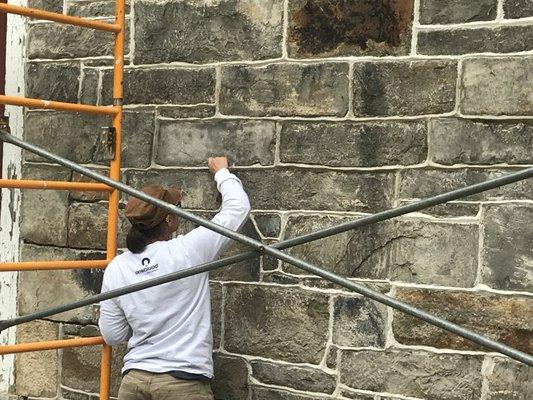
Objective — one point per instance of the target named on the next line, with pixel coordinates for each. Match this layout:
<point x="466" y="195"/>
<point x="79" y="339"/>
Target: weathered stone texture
<point x="505" y="39"/>
<point x="231" y="378"/>
<point x="461" y="141"/>
<point x="402" y="250"/>
<point x="345" y="393"/>
<point x="37" y="372"/>
<point x="507" y="252"/>
<point x="190" y="143"/>
<point x="61" y="83"/>
<point x="94" y="8"/>
<point x="404" y="87"/>
<point x="196" y="111"/>
<point x="207" y="31"/>
<point x="502" y="318"/>
<point x="456" y="11"/>
<point x="318" y="89"/>
<point x="353" y="144"/>
<point x="89" y="86"/>
<point x="359" y="322"/>
<point x="216" y="312"/>
<point x="47" y="5"/>
<point x="325" y="28"/>
<point x="451" y="209"/>
<point x="274" y="322"/>
<point x="269" y="225"/>
<point x="87" y="225"/>
<point x="509" y="380"/>
<point x="77" y="195"/>
<point x="510" y="91"/>
<point x="517" y="8"/>
<point x="413" y="373"/>
<point x="137" y="136"/>
<point x="264" y="393"/>
<point x="163" y="86"/>
<point x="293" y="376"/>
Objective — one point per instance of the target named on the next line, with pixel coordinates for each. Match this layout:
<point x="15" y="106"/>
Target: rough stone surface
<point x="417" y="183"/>
<point x="353" y="144"/>
<point x="456" y="11"/>
<point x="509" y="380"/>
<point x="197" y="111"/>
<point x="462" y="141"/>
<point x="293" y="376"/>
<point x="216" y="312"/>
<point x="163" y="86"/>
<point x="269" y="225"/>
<point x="207" y="31"/>
<point x="61" y="83"/>
<point x="47" y="5"/>
<point x="89" y="86"/>
<point x="358" y="322"/>
<point x="505" y="39"/>
<point x="451" y="209"/>
<point x="78" y="195"/>
<point x="507" y="252"/>
<point x="413" y="373"/>
<point x="503" y="318"/>
<point x="318" y="89"/>
<point x="231" y="378"/>
<point x="358" y="396"/>
<point x="87" y="226"/>
<point x="325" y="28"/>
<point x="47" y="227"/>
<point x="264" y="393"/>
<point x="94" y="8"/>
<point x="137" y="137"/>
<point x="190" y="143"/>
<point x="37" y="293"/>
<point x="37" y="372"/>
<point x="517" y="8"/>
<point x="407" y="250"/>
<point x="510" y="91"/>
<point x="404" y="87"/>
<point x="257" y="318"/>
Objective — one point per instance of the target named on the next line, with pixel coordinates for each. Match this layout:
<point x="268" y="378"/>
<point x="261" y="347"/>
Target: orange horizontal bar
<point x="51" y="345"/>
<point x="54" y="185"/>
<point x="56" y="17"/>
<point x="50" y="265"/>
<point x="57" y="105"/>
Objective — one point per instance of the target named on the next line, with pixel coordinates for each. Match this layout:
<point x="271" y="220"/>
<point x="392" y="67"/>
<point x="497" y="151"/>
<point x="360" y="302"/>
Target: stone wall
<point x="328" y="109"/>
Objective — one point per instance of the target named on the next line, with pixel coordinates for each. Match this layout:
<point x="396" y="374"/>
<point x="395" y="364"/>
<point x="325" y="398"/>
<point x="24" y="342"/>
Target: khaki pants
<point x="143" y="385"/>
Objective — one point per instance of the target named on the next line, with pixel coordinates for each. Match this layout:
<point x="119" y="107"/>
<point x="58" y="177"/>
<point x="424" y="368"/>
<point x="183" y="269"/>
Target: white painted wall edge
<point x="10" y="215"/>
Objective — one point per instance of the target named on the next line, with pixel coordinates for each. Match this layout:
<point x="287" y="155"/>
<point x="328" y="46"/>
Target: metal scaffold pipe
<point x="277" y="253"/>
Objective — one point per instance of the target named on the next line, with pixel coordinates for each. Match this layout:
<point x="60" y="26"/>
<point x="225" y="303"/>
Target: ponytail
<point x="136" y="240"/>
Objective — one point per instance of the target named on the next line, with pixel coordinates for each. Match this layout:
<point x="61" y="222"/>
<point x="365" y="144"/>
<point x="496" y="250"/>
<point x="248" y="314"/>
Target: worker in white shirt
<point x="168" y="327"/>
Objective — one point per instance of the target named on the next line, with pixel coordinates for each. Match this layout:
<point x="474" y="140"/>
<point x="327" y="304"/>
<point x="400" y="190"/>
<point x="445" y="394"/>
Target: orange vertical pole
<point x="105" y="372"/>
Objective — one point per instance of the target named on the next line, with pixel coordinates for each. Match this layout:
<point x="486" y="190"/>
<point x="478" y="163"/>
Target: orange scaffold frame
<point x="115" y="112"/>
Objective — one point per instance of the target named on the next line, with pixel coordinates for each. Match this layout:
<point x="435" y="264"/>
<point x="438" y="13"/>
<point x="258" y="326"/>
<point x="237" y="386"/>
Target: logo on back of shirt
<point x="147" y="267"/>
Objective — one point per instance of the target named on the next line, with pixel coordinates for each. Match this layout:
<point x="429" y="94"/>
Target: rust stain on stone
<point x="350" y="26"/>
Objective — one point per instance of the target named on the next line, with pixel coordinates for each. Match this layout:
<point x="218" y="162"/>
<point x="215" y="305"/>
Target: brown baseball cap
<point x="147" y="216"/>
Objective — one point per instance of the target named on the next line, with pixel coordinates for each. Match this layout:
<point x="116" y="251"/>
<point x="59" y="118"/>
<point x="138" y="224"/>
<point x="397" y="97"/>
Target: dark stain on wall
<point x="350" y="27"/>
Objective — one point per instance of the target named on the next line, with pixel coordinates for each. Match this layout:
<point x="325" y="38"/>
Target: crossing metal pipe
<point x="271" y="250"/>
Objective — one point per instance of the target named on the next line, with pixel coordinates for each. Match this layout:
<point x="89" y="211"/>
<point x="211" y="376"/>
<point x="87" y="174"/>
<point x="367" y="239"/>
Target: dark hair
<point x="137" y="238"/>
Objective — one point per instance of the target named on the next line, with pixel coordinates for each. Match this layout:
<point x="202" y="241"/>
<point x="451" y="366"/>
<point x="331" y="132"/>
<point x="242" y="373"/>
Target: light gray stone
<point x="53" y="81"/>
<point x="207" y="31"/>
<point x="137" y="137"/>
<point x="456" y="11"/>
<point x="353" y="144"/>
<point x="47" y="5"/>
<point x="94" y="8"/>
<point x="264" y="393"/>
<point x="517" y="8"/>
<point x="231" y="378"/>
<point x="511" y="86"/>
<point x="389" y="88"/>
<point x="509" y="380"/>
<point x="317" y="89"/>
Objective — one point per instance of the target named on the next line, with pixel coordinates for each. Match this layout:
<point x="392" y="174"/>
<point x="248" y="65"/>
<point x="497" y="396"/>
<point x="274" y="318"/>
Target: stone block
<point x="43" y="213"/>
<point x="293" y="376"/>
<point x="137" y="137"/>
<point x="358" y="322"/>
<point x="413" y="373"/>
<point x="404" y="87"/>
<point x="509" y="380"/>
<point x="207" y="31"/>
<point x="326" y="28"/>
<point x="462" y="141"/>
<point x="320" y="283"/>
<point x="507" y="253"/>
<point x="266" y="393"/>
<point x="190" y="143"/>
<point x="94" y="8"/>
<point x="345" y="393"/>
<point x="87" y="225"/>
<point x="281" y="323"/>
<point x="449" y="210"/>
<point x="163" y="86"/>
<point x="406" y="250"/>
<point x="60" y="286"/>
<point x="510" y="91"/>
<point x="84" y="196"/>
<point x="36" y="373"/>
<point x="47" y="5"/>
<point x="353" y="144"/>
<point x="331" y="357"/>
<point x="89" y="86"/>
<point x="53" y="41"/>
<point x="317" y="89"/>
<point x="456" y="11"/>
<point x="196" y="111"/>
<point x="420" y="183"/>
<point x="231" y="378"/>
<point x="505" y="39"/>
<point x="53" y="81"/>
<point x="216" y="312"/>
<point x="517" y="8"/>
<point x="503" y="318"/>
<point x="269" y="225"/>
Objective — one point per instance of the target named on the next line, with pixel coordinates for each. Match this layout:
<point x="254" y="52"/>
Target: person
<point x="168" y="327"/>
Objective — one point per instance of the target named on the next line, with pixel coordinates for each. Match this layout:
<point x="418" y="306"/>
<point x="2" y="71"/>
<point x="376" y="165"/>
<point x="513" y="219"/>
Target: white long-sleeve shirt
<point x="168" y="327"/>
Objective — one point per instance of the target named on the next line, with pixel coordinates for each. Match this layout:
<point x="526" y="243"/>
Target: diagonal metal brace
<point x="273" y="251"/>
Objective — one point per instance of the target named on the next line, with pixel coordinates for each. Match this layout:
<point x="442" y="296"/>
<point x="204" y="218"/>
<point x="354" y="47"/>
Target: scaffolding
<point x="114" y="137"/>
